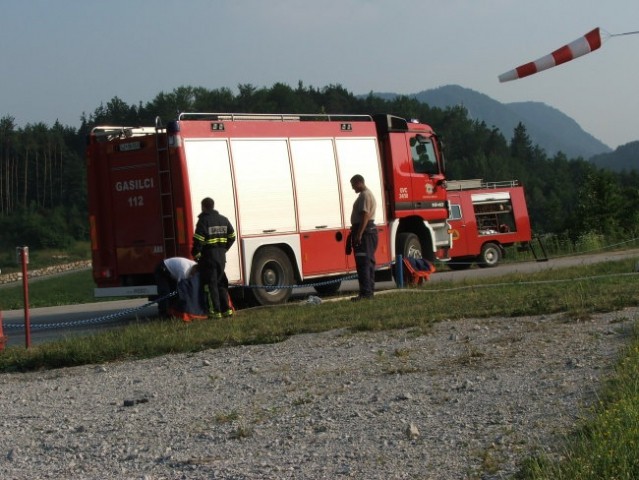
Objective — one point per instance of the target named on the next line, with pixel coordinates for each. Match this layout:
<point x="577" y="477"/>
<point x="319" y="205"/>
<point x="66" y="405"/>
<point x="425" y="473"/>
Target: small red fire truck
<point x="485" y="217"/>
<point x="282" y="180"/>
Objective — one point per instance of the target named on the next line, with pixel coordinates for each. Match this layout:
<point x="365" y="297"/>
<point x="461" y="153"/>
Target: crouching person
<point x="168" y="273"/>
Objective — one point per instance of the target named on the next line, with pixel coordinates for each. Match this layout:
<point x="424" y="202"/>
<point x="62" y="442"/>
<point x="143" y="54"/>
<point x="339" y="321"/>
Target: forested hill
<point x="624" y="158"/>
<point x="547" y="127"/>
<point x="43" y="198"/>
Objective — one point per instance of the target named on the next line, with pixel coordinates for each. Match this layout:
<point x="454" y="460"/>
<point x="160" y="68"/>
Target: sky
<point x="62" y="58"/>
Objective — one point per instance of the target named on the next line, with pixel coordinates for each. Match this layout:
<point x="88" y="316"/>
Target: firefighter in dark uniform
<point x="364" y="237"/>
<point x="213" y="236"/>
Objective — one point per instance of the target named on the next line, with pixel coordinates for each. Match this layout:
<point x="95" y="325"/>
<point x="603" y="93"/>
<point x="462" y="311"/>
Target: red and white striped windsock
<point x="589" y="42"/>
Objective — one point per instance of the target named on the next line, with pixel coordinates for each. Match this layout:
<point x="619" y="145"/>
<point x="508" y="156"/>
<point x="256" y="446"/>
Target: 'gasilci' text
<point x="130" y="185"/>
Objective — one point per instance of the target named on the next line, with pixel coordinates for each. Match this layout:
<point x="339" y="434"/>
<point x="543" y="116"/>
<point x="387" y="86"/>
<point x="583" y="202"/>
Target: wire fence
<point x="90" y="321"/>
<point x="114" y="316"/>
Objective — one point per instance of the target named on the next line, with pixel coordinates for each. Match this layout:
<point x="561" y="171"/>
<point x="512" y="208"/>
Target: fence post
<point x="3" y="339"/>
<point x="399" y="265"/>
<point x="23" y="256"/>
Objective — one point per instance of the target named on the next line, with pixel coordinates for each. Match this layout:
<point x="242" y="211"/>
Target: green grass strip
<point x="606" y="446"/>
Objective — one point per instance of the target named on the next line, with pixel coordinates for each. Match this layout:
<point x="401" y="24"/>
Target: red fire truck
<point x="282" y="180"/>
<point x="486" y="217"/>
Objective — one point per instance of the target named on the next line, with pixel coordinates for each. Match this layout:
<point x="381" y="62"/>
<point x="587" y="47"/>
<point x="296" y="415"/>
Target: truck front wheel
<point x="271" y="276"/>
<point x="408" y="245"/>
<point x="490" y="255"/>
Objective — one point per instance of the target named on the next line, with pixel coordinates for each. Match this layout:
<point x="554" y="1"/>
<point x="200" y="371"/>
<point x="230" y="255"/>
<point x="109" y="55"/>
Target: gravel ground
<point x="470" y="399"/>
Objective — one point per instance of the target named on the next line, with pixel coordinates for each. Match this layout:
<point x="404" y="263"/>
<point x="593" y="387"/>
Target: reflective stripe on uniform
<point x="216" y="241"/>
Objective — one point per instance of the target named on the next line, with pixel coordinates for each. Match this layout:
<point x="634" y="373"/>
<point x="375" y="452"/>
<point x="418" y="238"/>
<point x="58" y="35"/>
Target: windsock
<point x="589" y="42"/>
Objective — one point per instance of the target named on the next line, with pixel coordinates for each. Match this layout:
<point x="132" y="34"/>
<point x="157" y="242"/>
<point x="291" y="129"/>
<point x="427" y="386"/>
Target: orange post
<point x="3" y="339"/>
<point x="23" y="253"/>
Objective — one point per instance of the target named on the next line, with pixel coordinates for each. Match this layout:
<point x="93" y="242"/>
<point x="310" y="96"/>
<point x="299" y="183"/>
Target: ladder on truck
<point x="166" y="190"/>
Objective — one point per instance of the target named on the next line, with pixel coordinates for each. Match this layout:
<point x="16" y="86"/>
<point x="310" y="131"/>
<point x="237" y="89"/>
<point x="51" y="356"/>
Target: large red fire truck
<point x="486" y="217"/>
<point x="282" y="180"/>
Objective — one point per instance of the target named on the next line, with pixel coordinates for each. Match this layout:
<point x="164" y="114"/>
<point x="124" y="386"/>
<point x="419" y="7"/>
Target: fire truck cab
<point x="486" y="217"/>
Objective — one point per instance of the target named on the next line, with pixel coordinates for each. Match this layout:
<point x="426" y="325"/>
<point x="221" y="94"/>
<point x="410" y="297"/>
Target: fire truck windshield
<point x="423" y="156"/>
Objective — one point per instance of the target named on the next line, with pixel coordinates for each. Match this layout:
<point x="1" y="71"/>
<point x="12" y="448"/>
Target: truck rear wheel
<point x="271" y="276"/>
<point x="490" y="255"/>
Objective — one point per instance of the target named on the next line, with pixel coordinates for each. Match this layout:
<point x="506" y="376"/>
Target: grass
<point x="68" y="289"/>
<point x="575" y="292"/>
<point x="9" y="262"/>
<point x="603" y="447"/>
<point x="606" y="445"/>
<point x="72" y="288"/>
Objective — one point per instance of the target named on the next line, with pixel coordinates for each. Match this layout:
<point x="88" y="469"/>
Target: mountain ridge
<point x="624" y="158"/>
<point x="546" y="126"/>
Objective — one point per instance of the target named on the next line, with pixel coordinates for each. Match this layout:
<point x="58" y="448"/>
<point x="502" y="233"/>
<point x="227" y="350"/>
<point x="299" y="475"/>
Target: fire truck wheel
<point x="271" y="276"/>
<point x="490" y="255"/>
<point x="408" y="245"/>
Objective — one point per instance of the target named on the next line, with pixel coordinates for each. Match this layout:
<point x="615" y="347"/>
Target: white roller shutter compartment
<point x="264" y="187"/>
<point x="316" y="184"/>
<point x="360" y="156"/>
<point x="209" y="171"/>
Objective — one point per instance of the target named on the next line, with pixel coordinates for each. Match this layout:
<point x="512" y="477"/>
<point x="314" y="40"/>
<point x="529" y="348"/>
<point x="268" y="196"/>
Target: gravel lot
<point x="470" y="399"/>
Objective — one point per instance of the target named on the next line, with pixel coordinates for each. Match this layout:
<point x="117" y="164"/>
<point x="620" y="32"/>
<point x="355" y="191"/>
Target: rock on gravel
<point x="469" y="399"/>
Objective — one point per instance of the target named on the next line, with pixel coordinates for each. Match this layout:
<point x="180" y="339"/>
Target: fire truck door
<point x="136" y="205"/>
<point x="322" y="234"/>
<point x="424" y="193"/>
<point x="459" y="226"/>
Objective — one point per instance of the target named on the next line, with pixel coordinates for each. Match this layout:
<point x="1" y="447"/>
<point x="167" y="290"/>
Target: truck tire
<point x="271" y="276"/>
<point x="408" y="245"/>
<point x="490" y="255"/>
<point x="329" y="288"/>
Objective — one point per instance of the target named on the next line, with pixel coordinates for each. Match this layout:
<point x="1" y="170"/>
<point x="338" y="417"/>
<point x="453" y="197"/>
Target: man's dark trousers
<point x="212" y="274"/>
<point x="165" y="284"/>
<point x="365" y="261"/>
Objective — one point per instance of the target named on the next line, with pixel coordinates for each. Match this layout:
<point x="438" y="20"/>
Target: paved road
<point x="46" y="321"/>
<point x="531" y="267"/>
